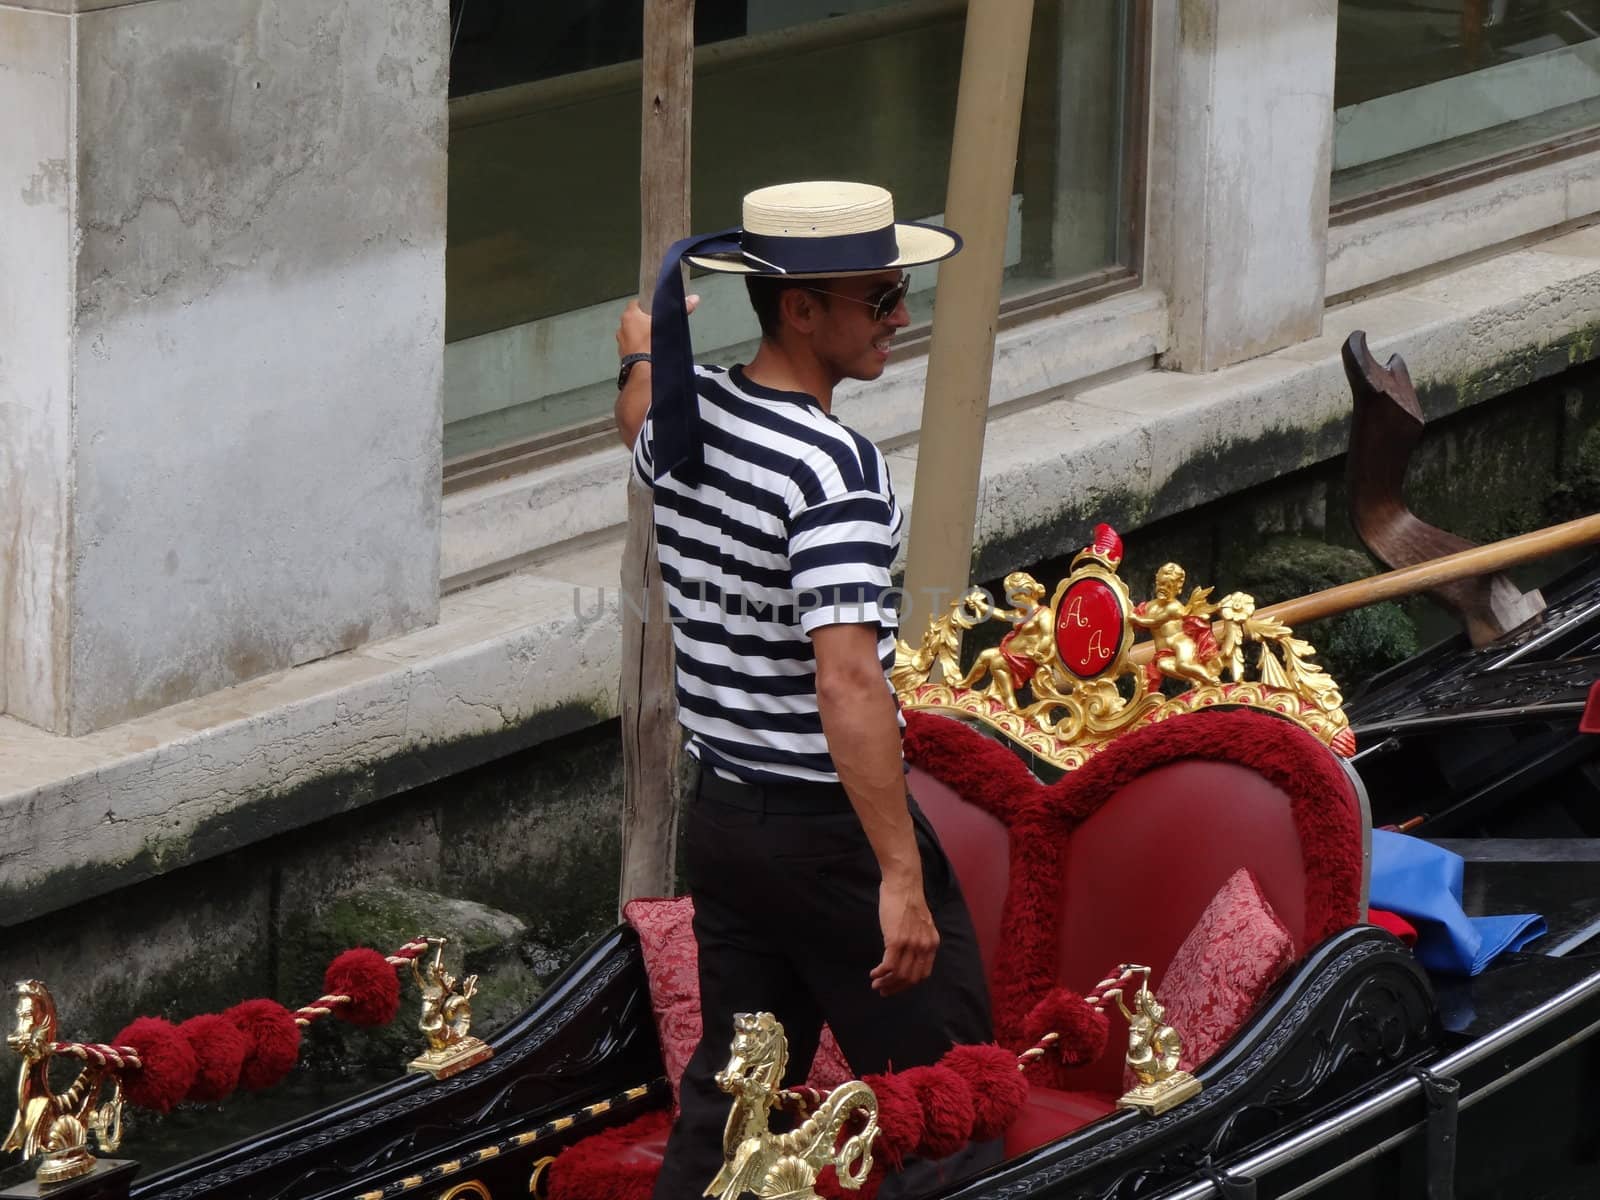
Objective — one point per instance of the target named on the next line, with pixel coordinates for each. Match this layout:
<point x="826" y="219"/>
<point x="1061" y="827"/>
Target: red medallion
<point x="1090" y="628"/>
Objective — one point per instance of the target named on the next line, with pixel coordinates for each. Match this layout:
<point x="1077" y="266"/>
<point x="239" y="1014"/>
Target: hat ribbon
<point x="674" y="407"/>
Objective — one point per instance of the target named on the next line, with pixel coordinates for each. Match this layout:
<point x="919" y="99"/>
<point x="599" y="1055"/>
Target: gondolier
<point x="821" y="892"/>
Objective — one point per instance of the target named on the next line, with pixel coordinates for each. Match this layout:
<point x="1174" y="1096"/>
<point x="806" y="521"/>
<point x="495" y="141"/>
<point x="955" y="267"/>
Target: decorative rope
<point x="415" y="948"/>
<point x="1096" y="1000"/>
<point x="323" y="1006"/>
<point x="99" y="1054"/>
<point x="802" y="1101"/>
<point x="159" y="1076"/>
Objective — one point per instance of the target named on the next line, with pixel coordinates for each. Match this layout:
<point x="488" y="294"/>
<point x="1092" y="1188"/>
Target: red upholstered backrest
<point x="1144" y="865"/>
<point x="1114" y="862"/>
<point x="977" y="846"/>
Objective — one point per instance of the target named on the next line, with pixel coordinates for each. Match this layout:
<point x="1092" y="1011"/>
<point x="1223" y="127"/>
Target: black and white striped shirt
<point x="792" y="525"/>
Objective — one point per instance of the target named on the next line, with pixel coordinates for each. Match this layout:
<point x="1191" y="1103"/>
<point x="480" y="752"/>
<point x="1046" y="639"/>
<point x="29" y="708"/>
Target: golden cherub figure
<point x="446" y="1002"/>
<point x="1029" y="646"/>
<point x="446" y="1018"/>
<point x="1185" y="648"/>
<point x="1154" y="1049"/>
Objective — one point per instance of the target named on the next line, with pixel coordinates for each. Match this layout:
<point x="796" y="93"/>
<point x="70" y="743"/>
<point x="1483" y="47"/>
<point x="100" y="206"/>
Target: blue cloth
<point x="1422" y="883"/>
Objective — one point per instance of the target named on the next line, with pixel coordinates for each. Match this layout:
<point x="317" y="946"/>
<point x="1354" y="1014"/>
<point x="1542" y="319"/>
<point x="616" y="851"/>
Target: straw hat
<point x="824" y="228"/>
<point x="793" y="230"/>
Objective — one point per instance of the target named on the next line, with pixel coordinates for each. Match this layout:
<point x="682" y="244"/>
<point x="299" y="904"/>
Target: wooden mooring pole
<point x="651" y="740"/>
<point x="955" y="407"/>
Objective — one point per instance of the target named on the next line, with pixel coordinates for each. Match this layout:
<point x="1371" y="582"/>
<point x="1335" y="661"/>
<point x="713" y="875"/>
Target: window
<point x="1426" y="90"/>
<point x="544" y="205"/>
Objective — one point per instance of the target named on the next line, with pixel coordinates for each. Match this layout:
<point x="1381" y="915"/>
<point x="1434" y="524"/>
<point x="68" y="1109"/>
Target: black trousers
<point x="785" y="887"/>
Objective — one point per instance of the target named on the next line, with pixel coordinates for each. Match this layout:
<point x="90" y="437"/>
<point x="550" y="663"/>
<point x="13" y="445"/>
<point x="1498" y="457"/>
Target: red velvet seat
<point x="1115" y="862"/>
<point x="1111" y="864"/>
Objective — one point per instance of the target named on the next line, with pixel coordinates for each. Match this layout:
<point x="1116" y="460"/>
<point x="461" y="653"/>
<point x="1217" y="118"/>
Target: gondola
<point x="1353" y="1072"/>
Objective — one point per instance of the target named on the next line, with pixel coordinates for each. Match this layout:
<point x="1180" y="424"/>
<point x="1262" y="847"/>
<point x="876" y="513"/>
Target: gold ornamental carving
<point x="785" y="1166"/>
<point x="1154" y="1051"/>
<point x="1066" y="679"/>
<point x="446" y="1018"/>
<point x="55" y="1126"/>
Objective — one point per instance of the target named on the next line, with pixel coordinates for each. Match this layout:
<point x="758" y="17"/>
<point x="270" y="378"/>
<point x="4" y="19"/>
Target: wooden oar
<point x="1408" y="581"/>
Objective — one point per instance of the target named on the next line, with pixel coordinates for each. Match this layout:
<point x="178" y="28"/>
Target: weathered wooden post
<point x="650" y="737"/>
<point x="955" y="407"/>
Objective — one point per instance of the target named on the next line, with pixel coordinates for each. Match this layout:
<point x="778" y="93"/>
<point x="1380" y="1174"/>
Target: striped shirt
<point x="791" y="526"/>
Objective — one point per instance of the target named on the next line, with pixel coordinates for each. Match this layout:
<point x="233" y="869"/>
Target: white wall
<point x="35" y="352"/>
<point x="1250" y="136"/>
<point x="254" y="341"/>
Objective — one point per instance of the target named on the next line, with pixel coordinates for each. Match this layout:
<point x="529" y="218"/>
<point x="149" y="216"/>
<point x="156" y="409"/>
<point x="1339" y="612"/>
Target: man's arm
<point x="858" y="719"/>
<point x="633" y="401"/>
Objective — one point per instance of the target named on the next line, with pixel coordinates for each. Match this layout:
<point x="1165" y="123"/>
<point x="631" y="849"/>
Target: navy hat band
<point x="809" y="255"/>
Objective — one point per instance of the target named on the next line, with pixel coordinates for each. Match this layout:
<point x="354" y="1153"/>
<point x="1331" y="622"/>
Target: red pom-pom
<point x="899" y="1118"/>
<point x="219" y="1050"/>
<point x="167" y="1067"/>
<point x="946" y="1109"/>
<point x="371" y="984"/>
<point x="1083" y="1028"/>
<point x="998" y="1089"/>
<point x="274" y="1041"/>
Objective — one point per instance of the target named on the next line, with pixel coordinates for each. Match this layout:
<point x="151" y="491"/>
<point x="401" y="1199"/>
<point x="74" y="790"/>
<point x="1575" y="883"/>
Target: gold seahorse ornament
<point x="774" y="1166"/>
<point x="57" y="1125"/>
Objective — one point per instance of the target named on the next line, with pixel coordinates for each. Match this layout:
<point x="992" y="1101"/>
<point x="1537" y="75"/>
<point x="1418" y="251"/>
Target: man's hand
<point x="633" y="337"/>
<point x="633" y="331"/>
<point x="910" y="939"/>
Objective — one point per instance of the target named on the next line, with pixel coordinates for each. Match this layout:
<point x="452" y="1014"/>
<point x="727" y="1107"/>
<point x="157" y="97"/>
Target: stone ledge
<point x="1391" y="243"/>
<point x="535" y="655"/>
<point x="508" y="665"/>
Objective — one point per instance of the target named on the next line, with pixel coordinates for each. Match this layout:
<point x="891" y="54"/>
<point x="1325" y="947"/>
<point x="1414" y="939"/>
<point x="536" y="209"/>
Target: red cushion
<point x="1050" y="1114"/>
<point x="1221" y="973"/>
<point x="1394" y="923"/>
<point x="615" y="1164"/>
<point x="672" y="966"/>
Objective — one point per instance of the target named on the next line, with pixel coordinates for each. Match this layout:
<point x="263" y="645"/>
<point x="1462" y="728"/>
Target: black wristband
<point x="629" y="361"/>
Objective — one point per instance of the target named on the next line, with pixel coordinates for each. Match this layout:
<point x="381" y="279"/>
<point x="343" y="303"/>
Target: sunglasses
<point x="882" y="305"/>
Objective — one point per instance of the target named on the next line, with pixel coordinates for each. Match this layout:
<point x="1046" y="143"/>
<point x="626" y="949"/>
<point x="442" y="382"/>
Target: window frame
<point x="1468" y="175"/>
<point x="583" y="437"/>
